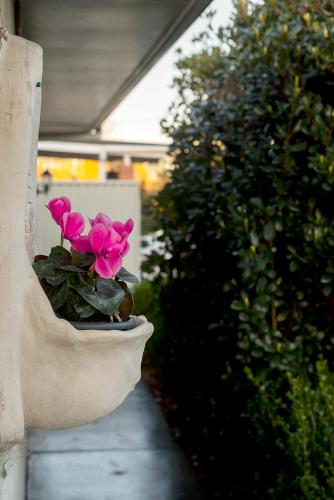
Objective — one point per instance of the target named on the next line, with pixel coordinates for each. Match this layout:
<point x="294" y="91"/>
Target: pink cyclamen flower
<point x="72" y="224"/>
<point x="101" y="219"/>
<point x="103" y="241"/>
<point x="123" y="230"/>
<point x="119" y="227"/>
<point x="108" y="246"/>
<point x="58" y="207"/>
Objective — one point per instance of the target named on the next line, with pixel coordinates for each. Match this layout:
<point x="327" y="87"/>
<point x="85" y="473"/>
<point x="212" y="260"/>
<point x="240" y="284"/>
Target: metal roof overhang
<point x="96" y="51"/>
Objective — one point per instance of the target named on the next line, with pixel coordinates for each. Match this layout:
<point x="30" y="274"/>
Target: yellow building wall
<point x="152" y="176"/>
<point x="68" y="169"/>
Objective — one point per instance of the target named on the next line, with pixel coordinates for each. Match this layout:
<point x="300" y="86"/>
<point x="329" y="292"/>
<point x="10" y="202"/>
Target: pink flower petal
<point x="118" y="227"/>
<point x="115" y="251"/>
<point x="104" y="267"/>
<point x="59" y="206"/>
<point x="129" y="226"/>
<point x="113" y="238"/>
<point x="103" y="219"/>
<point x="81" y="244"/>
<point x="123" y="228"/>
<point x="63" y="221"/>
<point x="98" y="237"/>
<point x="72" y="225"/>
<point x="115" y="258"/>
<point x="126" y="248"/>
<point x="116" y="265"/>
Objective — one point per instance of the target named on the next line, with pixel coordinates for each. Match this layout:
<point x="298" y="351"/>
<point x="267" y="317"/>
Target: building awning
<point x="96" y="51"/>
<point x="98" y="148"/>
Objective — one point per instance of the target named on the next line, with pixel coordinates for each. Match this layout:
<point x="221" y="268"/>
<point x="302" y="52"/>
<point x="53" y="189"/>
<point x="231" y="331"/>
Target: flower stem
<point x="74" y="258"/>
<point x="62" y="240"/>
<point x="82" y="280"/>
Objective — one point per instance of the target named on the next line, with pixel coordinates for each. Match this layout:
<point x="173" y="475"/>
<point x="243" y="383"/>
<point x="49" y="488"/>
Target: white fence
<point x="119" y="199"/>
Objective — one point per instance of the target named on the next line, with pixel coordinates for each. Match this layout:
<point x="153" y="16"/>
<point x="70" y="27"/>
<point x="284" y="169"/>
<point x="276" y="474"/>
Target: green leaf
<point x="124" y="275"/>
<point x="243" y="316"/>
<point x="57" y="295"/>
<point x="56" y="277"/>
<point x="106" y="298"/>
<point x="269" y="231"/>
<point x="70" y="268"/>
<point x="126" y="307"/>
<point x="261" y="284"/>
<point x="237" y="305"/>
<point x="83" y="309"/>
<point x="38" y="258"/>
<point x="59" y="256"/>
<point x="297" y="148"/>
<point x="282" y="316"/>
<point x="84" y="259"/>
<point x="47" y="267"/>
<point x="43" y="268"/>
<point x="257" y="202"/>
<point x="293" y="266"/>
<point x="254" y="238"/>
<point x="326" y="279"/>
<point x="111" y="287"/>
<point x="73" y="280"/>
<point x="67" y="311"/>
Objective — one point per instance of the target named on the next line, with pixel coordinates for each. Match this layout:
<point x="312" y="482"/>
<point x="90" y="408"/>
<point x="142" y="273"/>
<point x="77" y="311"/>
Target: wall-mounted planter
<point x="72" y="377"/>
<point x="52" y="376"/>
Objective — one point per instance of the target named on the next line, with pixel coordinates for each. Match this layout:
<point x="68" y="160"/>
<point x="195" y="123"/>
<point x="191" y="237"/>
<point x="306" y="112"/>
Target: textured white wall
<point x="7" y="13"/>
<point x="13" y="461"/>
<point x="119" y="199"/>
<point x="12" y="473"/>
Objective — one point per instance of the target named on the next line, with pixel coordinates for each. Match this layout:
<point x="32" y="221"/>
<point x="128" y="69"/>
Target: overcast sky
<point x="138" y="117"/>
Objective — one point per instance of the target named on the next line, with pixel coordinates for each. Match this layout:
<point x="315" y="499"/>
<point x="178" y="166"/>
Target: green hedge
<point x="311" y="432"/>
<point x="248" y="295"/>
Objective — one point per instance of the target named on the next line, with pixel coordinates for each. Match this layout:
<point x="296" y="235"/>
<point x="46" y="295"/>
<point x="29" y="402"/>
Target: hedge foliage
<point x="311" y="432"/>
<point x="248" y="295"/>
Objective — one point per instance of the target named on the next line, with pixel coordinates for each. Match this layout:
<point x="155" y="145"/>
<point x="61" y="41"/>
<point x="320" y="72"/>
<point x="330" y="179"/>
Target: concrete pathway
<point x="129" y="455"/>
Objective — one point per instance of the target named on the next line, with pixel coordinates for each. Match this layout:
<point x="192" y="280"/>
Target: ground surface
<point x="128" y="455"/>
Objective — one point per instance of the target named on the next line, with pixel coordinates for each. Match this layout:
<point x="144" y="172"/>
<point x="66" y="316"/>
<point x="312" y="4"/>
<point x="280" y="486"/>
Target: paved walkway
<point x="129" y="455"/>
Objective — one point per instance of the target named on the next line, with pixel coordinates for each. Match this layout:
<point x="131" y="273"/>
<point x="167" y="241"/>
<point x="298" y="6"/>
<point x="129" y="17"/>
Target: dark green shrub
<point x="147" y="303"/>
<point x="148" y="222"/>
<point x="311" y="433"/>
<point x="248" y="220"/>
